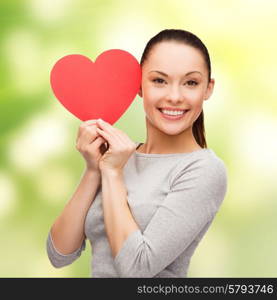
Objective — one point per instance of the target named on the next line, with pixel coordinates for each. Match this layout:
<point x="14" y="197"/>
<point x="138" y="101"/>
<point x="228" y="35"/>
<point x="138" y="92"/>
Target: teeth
<point x="172" y="112"/>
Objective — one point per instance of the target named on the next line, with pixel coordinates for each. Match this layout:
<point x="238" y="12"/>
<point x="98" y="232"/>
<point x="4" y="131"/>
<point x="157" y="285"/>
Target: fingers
<point x="108" y="132"/>
<point x="100" y="144"/>
<point x="87" y="133"/>
<point x="84" y="125"/>
<point x="90" y="130"/>
<point x="107" y="136"/>
<point x="115" y="132"/>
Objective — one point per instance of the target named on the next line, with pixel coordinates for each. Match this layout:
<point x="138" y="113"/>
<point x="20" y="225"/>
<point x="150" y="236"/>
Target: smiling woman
<point x="176" y="76"/>
<point x="145" y="206"/>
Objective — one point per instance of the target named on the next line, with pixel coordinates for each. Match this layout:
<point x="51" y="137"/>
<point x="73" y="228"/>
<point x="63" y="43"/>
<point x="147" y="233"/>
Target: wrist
<point x="92" y="172"/>
<point x="111" y="172"/>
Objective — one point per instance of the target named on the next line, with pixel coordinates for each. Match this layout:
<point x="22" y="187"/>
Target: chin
<point x="172" y="131"/>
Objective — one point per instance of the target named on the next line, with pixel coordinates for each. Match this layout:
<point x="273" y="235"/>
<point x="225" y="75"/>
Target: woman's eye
<point x="158" y="80"/>
<point x="192" y="81"/>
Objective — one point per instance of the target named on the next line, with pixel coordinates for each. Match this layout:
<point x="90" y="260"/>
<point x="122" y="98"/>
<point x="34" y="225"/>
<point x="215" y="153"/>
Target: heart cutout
<point x="104" y="89"/>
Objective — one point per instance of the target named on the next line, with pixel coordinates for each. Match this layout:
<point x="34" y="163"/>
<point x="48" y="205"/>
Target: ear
<point x="210" y="89"/>
<point x="140" y="92"/>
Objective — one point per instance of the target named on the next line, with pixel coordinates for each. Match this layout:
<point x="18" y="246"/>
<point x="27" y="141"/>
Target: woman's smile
<point x="173" y="115"/>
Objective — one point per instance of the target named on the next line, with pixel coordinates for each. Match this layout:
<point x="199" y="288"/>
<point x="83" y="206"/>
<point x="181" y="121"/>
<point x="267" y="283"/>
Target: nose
<point x="174" y="94"/>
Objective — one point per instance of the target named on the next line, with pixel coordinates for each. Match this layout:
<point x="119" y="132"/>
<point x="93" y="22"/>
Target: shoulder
<point x="204" y="163"/>
<point x="204" y="171"/>
<point x="211" y="166"/>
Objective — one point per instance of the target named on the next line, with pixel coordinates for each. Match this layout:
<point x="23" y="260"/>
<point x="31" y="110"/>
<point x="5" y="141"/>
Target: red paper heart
<point x="104" y="89"/>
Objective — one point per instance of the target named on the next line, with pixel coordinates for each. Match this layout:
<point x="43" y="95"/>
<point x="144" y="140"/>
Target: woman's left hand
<point x="120" y="147"/>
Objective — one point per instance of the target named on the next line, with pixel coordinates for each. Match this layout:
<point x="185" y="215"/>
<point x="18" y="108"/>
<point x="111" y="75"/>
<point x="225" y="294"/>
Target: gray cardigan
<point x="173" y="199"/>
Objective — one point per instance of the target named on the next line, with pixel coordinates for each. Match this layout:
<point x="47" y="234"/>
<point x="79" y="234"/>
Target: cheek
<point x="152" y="91"/>
<point x="152" y="97"/>
<point x="148" y="104"/>
<point x="197" y="108"/>
<point x="195" y="98"/>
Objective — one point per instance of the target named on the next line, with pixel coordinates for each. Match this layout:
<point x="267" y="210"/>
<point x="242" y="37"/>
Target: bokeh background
<point x="40" y="167"/>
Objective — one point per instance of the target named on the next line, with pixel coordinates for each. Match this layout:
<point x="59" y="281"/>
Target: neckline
<point x="150" y="155"/>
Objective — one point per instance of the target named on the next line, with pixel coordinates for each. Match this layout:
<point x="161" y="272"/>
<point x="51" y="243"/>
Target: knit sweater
<point x="173" y="198"/>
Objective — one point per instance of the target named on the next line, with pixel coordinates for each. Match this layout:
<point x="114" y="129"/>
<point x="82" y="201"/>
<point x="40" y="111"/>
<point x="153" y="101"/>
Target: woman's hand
<point x="120" y="147"/>
<point x="90" y="144"/>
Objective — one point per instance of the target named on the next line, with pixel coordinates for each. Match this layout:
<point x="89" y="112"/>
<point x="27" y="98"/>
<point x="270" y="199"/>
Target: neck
<point x="158" y="142"/>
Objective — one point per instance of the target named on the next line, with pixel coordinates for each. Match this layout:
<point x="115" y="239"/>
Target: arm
<point x="187" y="211"/>
<point x="119" y="222"/>
<point x="67" y="238"/>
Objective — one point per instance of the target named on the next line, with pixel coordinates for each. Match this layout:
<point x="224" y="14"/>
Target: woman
<point x="145" y="206"/>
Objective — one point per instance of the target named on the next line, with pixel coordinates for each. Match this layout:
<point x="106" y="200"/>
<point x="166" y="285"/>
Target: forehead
<point x="174" y="57"/>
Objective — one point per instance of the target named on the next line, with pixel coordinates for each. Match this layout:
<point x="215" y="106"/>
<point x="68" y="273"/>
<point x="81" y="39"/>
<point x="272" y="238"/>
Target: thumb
<point x="98" y="141"/>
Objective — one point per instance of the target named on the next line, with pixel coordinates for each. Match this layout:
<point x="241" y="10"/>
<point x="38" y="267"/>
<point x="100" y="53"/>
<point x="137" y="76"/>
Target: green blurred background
<point x="40" y="167"/>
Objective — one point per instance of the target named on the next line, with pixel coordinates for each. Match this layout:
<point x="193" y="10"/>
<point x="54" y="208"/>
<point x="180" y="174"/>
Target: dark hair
<point x="188" y="38"/>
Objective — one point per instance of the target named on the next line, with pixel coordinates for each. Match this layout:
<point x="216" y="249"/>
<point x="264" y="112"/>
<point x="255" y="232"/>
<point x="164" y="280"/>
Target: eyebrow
<point x="164" y="74"/>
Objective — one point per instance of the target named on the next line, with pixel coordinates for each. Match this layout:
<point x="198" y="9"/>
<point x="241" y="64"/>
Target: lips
<point x="183" y="110"/>
<point x="172" y="109"/>
<point x="172" y="117"/>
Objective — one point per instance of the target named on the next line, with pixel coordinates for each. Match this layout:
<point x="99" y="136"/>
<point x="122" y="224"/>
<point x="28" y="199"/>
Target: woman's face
<point x="174" y="76"/>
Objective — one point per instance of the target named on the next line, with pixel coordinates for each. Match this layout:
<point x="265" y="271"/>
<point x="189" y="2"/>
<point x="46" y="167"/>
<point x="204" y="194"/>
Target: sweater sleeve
<point x="58" y="259"/>
<point x="190" y="206"/>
